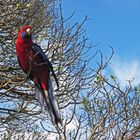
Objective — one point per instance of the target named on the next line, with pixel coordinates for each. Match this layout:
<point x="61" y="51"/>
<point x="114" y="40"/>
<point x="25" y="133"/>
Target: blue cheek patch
<point x="23" y="34"/>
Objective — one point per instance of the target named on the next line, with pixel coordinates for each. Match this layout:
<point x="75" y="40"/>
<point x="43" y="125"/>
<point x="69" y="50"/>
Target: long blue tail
<point x="48" y="102"/>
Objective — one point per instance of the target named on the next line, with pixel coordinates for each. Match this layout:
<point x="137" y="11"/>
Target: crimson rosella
<point x="35" y="63"/>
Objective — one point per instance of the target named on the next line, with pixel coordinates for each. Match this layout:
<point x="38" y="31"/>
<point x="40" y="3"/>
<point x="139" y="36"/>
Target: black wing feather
<point x="40" y="52"/>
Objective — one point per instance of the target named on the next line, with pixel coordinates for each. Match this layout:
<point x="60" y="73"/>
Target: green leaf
<point x="87" y="105"/>
<point x="113" y="77"/>
<point x="99" y="78"/>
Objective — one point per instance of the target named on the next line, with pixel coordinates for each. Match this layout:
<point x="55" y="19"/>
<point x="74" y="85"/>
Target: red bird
<point x="35" y="63"/>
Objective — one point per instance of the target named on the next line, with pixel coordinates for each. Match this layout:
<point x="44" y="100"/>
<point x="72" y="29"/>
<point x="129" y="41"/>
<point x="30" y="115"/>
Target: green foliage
<point x="113" y="77"/>
<point x="23" y="5"/>
<point x="136" y="89"/>
<point x="87" y="106"/>
<point x="99" y="78"/>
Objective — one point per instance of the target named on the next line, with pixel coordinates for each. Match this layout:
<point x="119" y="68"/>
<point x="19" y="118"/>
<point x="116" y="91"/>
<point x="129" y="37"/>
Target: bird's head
<point x="25" y="33"/>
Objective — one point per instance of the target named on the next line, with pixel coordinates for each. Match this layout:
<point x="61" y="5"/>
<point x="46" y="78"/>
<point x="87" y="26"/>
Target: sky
<point x="115" y="23"/>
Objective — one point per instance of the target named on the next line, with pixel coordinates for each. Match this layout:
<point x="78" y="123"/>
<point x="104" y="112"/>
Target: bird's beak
<point x="28" y="31"/>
